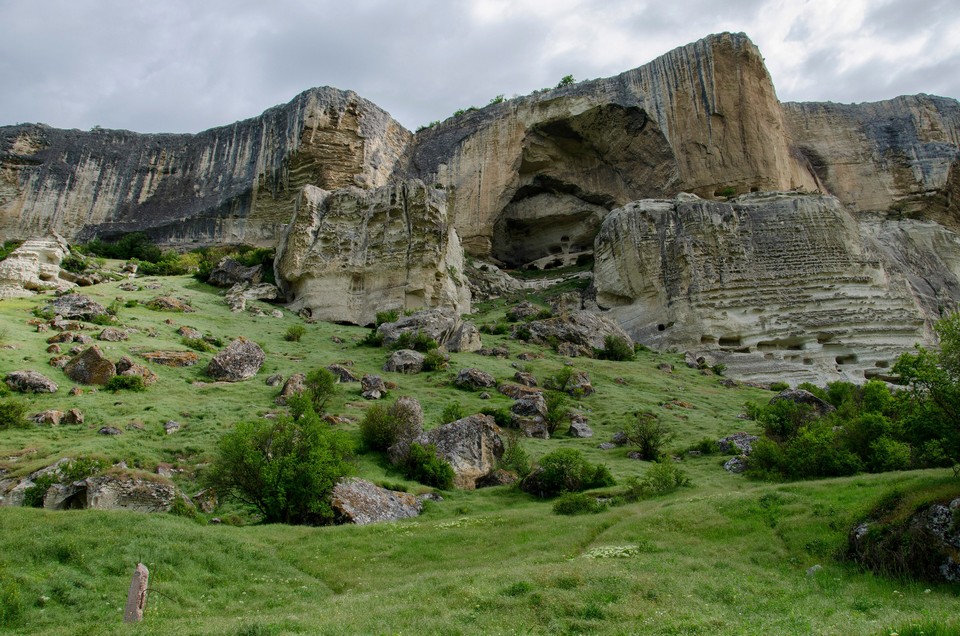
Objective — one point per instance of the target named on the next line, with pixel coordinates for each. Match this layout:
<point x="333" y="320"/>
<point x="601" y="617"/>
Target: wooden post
<point x="137" y="596"/>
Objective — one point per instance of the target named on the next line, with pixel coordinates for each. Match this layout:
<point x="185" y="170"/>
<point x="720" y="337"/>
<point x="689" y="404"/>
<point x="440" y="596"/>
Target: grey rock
<point x="442" y="325"/>
<point x="524" y="378"/>
<point x="408" y="414"/>
<point x="740" y="443"/>
<point x="228" y="272"/>
<point x="361" y="502"/>
<point x="111" y="492"/>
<point x="474" y="379"/>
<point x="735" y="464"/>
<point x="472" y="445"/>
<point x="110" y="430"/>
<point x="799" y="396"/>
<point x="240" y="360"/>
<point x="405" y="361"/>
<point x="170" y="427"/>
<point x="372" y="387"/>
<point x="606" y="445"/>
<point x="112" y="334"/>
<point x="296" y="384"/>
<point x="77" y="307"/>
<point x="30" y="382"/>
<point x="585" y="330"/>
<point x="343" y="373"/>
<point x="579" y="427"/>
<point x="90" y="367"/>
<point x="274" y="380"/>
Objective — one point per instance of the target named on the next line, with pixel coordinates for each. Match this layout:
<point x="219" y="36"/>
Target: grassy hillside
<point x="724" y="556"/>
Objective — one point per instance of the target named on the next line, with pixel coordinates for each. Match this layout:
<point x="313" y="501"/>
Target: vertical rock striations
<point x="351" y="253"/>
<point x="234" y="184"/>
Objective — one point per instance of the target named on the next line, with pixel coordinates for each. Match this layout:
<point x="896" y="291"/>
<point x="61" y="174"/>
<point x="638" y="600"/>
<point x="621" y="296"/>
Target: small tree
<point x="566" y="80"/>
<point x="285" y="468"/>
<point x="321" y="385"/>
<point x="649" y="435"/>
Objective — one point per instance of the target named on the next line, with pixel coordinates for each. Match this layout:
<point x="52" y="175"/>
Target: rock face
<point x="361" y="502"/>
<point x="33" y="266"/>
<point x="109" y="492"/>
<point x="351" y="253"/>
<point x="471" y="445"/>
<point x="769" y="284"/>
<point x="229" y="185"/>
<point x="241" y="360"/>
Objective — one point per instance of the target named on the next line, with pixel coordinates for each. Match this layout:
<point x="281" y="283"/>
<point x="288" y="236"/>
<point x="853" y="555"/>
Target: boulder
<point x="586" y="330"/>
<point x="140" y="494"/>
<point x="579" y="385"/>
<point x="126" y="366"/>
<point x="494" y="352"/>
<point x="350" y="253"/>
<point x="372" y="387"/>
<point x="228" y="272"/>
<point x="405" y="361"/>
<point x="112" y="334"/>
<point x="173" y="358"/>
<point x="168" y="303"/>
<point x="74" y="416"/>
<point x="579" y="427"/>
<point x="240" y="360"/>
<point x="738" y="443"/>
<point x="799" y="396"/>
<point x="471" y="445"/>
<point x="30" y="382"/>
<point x="343" y="373"/>
<point x="109" y="430"/>
<point x="442" y="325"/>
<point x="238" y="295"/>
<point x="473" y="379"/>
<point x="523" y="311"/>
<point x="296" y="384"/>
<point x="77" y="307"/>
<point x="189" y="332"/>
<point x="524" y="378"/>
<point x="496" y="477"/>
<point x="361" y="502"/>
<point x="170" y="427"/>
<point x="90" y="367"/>
<point x="529" y="415"/>
<point x="736" y="464"/>
<point x="274" y="380"/>
<point x="50" y="417"/>
<point x="517" y="391"/>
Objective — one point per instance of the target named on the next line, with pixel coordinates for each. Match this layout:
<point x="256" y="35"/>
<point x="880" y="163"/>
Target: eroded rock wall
<point x="350" y="253"/>
<point x="776" y="284"/>
<point x="535" y="176"/>
<point x="233" y="184"/>
<point x="901" y="154"/>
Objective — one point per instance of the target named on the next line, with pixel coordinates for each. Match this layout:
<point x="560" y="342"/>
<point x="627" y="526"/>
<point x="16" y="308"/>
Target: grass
<point x="724" y="556"/>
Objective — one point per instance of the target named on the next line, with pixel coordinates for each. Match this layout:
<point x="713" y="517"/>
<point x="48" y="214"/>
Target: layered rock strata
<point x="351" y="253"/>
<point x="769" y="284"/>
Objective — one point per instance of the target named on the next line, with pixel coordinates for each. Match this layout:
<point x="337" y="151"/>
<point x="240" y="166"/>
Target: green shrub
<point x="515" y="457"/>
<point x="557" y="410"/>
<point x="391" y="315"/>
<point x="284" y="468"/>
<point x="81" y="468"/>
<point x="373" y="339"/>
<point x="33" y="496"/>
<point x="577" y="503"/>
<point x="522" y="332"/>
<point x="13" y="414"/>
<point x="662" y="478"/>
<point x="198" y="344"/>
<point x="434" y="360"/>
<point x="779" y="386"/>
<point x="423" y="465"/>
<point x="888" y="454"/>
<point x="321" y="385"/>
<point x="615" y="348"/>
<point x="378" y="428"/>
<point x="294" y="333"/>
<point x="74" y="263"/>
<point x="649" y="435"/>
<point x="8" y="247"/>
<point x="452" y="412"/>
<point x="126" y="383"/>
<point x="417" y="341"/>
<point x="782" y="419"/>
<point x="566" y="80"/>
<point x="706" y="446"/>
<point x="559" y="380"/>
<point x="502" y="416"/>
<point x="566" y="470"/>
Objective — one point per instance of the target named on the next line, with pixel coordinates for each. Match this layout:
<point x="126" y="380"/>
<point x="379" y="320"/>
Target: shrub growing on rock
<point x="285" y="468"/>
<point x="423" y="465"/>
<point x="615" y="348"/>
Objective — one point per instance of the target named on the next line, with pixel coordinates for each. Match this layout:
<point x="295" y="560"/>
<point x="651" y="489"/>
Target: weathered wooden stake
<point x="137" y="596"/>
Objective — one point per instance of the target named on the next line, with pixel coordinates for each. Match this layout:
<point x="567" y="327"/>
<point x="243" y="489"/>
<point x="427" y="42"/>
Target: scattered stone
<point x="740" y="443"/>
<point x="571" y="350"/>
<point x="735" y="465"/>
<point x="189" y="332"/>
<point x="372" y="387"/>
<point x="30" y="382"/>
<point x="58" y="362"/>
<point x="474" y="379"/>
<point x="524" y="378"/>
<point x="472" y="445"/>
<point x="228" y="272"/>
<point x="636" y="455"/>
<point x="240" y="360"/>
<point x="74" y="351"/>
<point x="238" y="295"/>
<point x="579" y="427"/>
<point x="173" y="358"/>
<point x="405" y="361"/>
<point x="606" y="445"/>
<point x="77" y="307"/>
<point x="54" y="348"/>
<point x="206" y="500"/>
<point x="165" y="470"/>
<point x="75" y="391"/>
<point x="495" y="352"/>
<point x="112" y="334"/>
<point x="666" y="367"/>
<point x="170" y="427"/>
<point x="620" y="438"/>
<point x="361" y="502"/>
<point x="336" y="339"/>
<point x="296" y="384"/>
<point x="168" y="303"/>
<point x="109" y="430"/>
<point x="135" y="426"/>
<point x="814" y="569"/>
<point x="129" y="287"/>
<point x="90" y="367"/>
<point x="579" y="385"/>
<point x="517" y="391"/>
<point x="74" y="416"/>
<point x="343" y="373"/>
<point x="61" y="338"/>
<point x="274" y="380"/>
<point x="485" y="396"/>
<point x="50" y="417"/>
<point x="526" y="356"/>
<point x="127" y="367"/>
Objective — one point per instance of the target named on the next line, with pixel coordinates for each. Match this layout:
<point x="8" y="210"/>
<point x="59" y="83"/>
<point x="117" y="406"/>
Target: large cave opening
<point x="573" y="171"/>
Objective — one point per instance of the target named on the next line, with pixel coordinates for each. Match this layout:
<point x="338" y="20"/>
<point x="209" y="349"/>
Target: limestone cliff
<point x="772" y="284"/>
<point x="901" y="154"/>
<point x="350" y="253"/>
<point x="536" y="175"/>
<point x="234" y="184"/>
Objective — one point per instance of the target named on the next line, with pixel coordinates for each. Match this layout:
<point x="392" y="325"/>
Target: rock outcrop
<point x="442" y="325"/>
<point x="240" y="360"/>
<point x="471" y="445"/>
<point x="769" y="284"/>
<point x="350" y="253"/>
<point x="33" y="266"/>
<point x="233" y="184"/>
<point x="361" y="502"/>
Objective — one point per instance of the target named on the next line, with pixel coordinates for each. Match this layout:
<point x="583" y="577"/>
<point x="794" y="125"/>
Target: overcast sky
<point x="184" y="65"/>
